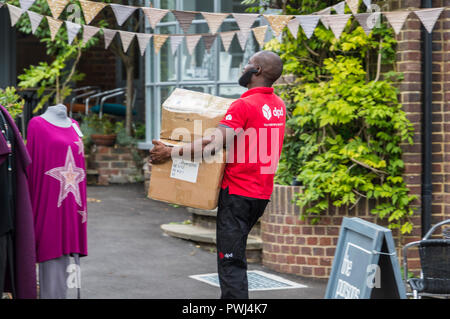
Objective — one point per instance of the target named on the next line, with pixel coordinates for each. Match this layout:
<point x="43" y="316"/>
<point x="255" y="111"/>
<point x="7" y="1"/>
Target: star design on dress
<point x="80" y="145"/>
<point x="69" y="177"/>
<point x="83" y="213"/>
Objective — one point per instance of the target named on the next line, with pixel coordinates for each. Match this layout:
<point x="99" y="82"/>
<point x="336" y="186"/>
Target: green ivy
<point x="345" y="124"/>
<point x="11" y="101"/>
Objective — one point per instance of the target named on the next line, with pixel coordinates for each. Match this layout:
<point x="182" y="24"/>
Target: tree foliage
<point x="345" y="123"/>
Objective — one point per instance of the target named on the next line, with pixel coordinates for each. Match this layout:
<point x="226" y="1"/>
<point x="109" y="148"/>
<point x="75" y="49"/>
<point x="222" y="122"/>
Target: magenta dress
<point x="57" y="181"/>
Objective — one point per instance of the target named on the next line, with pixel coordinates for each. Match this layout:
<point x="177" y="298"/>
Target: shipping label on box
<point x="184" y="170"/>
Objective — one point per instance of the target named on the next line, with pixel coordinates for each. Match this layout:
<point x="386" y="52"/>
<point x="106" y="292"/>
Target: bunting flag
<point x="72" y="31"/>
<point x="14" y="14"/>
<point x="214" y="20"/>
<point x="277" y="22"/>
<point x="428" y="17"/>
<point x="122" y="12"/>
<point x="368" y="20"/>
<point x="185" y="19"/>
<point x="323" y="13"/>
<point x="242" y="38"/>
<point x="337" y="23"/>
<point x="143" y="41"/>
<point x="192" y="41"/>
<point x="293" y="26"/>
<point x="57" y="7"/>
<point x="89" y="32"/>
<point x="245" y="21"/>
<point x="309" y="24"/>
<point x="353" y="5"/>
<point x="154" y="15"/>
<point x="91" y="9"/>
<point x="260" y="35"/>
<point x="54" y="25"/>
<point x="368" y="3"/>
<point x="227" y="38"/>
<point x="109" y="36"/>
<point x="208" y="39"/>
<point x="26" y="4"/>
<point x="397" y="19"/>
<point x="340" y="7"/>
<point x="158" y="41"/>
<point x="35" y="20"/>
<point x="175" y="42"/>
<point x="126" y="38"/>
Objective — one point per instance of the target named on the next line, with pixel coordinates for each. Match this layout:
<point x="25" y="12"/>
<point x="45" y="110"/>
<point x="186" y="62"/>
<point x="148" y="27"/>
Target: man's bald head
<point x="271" y="65"/>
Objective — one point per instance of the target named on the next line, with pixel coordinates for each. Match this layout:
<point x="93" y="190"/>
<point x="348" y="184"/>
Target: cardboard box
<point x="187" y="115"/>
<point x="189" y="184"/>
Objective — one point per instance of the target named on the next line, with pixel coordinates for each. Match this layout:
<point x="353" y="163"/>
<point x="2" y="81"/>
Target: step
<point x="203" y="235"/>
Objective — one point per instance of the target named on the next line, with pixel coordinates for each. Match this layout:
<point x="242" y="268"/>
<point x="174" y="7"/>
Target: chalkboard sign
<point x="365" y="264"/>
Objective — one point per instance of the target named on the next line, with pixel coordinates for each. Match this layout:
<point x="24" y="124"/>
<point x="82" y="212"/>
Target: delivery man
<point x="252" y="132"/>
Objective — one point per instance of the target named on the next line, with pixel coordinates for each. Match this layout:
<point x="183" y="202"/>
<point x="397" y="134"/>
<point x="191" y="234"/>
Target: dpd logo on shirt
<point x="267" y="112"/>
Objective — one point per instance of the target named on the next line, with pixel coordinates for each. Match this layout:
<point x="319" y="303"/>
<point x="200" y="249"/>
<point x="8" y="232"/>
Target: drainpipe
<point x="427" y="186"/>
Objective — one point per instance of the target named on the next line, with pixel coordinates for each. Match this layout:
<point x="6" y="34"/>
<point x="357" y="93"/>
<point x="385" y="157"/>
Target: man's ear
<point x="259" y="70"/>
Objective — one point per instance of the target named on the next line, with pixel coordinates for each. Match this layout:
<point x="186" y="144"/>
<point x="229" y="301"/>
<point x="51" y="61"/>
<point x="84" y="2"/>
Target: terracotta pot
<point x="104" y="140"/>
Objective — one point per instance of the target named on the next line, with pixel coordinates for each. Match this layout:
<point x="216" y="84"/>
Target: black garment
<point x="6" y="262"/>
<point x="236" y="215"/>
<point x="7" y="181"/>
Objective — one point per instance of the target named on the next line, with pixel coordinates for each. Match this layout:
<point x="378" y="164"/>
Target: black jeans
<point x="236" y="215"/>
<point x="7" y="263"/>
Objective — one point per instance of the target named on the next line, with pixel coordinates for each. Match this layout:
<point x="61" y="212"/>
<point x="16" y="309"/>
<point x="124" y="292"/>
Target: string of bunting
<point x="308" y="23"/>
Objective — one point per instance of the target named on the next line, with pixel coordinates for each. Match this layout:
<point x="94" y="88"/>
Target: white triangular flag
<point x="154" y="15"/>
<point x="14" y="14"/>
<point x="122" y="12"/>
<point x="340" y="7"/>
<point x="192" y="41"/>
<point x="127" y="38"/>
<point x="26" y="4"/>
<point x="143" y="40"/>
<point x="368" y="20"/>
<point x="397" y="19"/>
<point x="337" y="23"/>
<point x="309" y="24"/>
<point x="368" y="3"/>
<point x="293" y="26"/>
<point x="214" y="20"/>
<point x="323" y="13"/>
<point x="109" y="36"/>
<point x="35" y="20"/>
<point x="242" y="37"/>
<point x="227" y="38"/>
<point x="175" y="41"/>
<point x="429" y="17"/>
<point x="89" y="32"/>
<point x="72" y="31"/>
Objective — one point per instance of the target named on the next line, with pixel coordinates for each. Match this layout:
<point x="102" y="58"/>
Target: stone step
<point x="207" y="238"/>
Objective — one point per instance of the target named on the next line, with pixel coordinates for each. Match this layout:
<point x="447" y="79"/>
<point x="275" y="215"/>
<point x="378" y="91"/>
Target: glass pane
<point x="165" y="91"/>
<point x="198" y="5"/>
<point x="202" y="89"/>
<point x="232" y="6"/>
<point x="231" y="92"/>
<point x="199" y="66"/>
<point x="168" y="62"/>
<point x="168" y="4"/>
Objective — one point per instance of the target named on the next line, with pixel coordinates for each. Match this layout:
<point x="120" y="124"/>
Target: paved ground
<point x="130" y="256"/>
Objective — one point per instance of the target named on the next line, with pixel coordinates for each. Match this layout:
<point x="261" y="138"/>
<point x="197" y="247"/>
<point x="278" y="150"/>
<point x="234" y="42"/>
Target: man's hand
<point x="160" y="153"/>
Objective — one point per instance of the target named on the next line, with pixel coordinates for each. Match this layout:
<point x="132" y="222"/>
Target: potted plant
<point x="103" y="130"/>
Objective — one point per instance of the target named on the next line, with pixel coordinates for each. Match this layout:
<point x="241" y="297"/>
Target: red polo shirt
<point x="259" y="117"/>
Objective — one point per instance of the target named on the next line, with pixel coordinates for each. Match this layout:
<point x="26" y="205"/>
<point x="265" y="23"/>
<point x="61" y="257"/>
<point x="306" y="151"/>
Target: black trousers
<point x="7" y="263"/>
<point x="236" y="215"/>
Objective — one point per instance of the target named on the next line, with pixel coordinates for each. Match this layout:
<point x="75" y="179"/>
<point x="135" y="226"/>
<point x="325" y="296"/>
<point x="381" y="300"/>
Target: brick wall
<point x="99" y="65"/>
<point x="115" y="165"/>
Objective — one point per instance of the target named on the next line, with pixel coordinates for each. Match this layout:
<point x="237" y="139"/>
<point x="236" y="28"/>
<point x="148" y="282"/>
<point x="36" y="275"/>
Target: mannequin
<point x="17" y="241"/>
<point x="58" y="191"/>
<point x="57" y="115"/>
